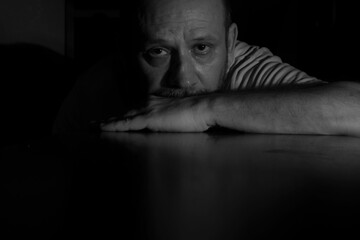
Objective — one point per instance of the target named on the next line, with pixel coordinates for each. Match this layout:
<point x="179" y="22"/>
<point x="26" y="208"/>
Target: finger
<point x="156" y="99"/>
<point x="112" y="119"/>
<point x="128" y="124"/>
<point x="131" y="113"/>
<point x="108" y="127"/>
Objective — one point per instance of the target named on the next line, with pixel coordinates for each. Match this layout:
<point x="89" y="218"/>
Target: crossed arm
<point x="331" y="109"/>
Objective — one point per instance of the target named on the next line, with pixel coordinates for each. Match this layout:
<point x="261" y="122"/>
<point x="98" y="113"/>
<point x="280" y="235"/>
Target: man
<point x="198" y="75"/>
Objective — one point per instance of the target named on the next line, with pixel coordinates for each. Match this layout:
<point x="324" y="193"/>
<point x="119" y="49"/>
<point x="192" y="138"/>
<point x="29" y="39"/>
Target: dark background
<point x="39" y="67"/>
<point x="318" y="37"/>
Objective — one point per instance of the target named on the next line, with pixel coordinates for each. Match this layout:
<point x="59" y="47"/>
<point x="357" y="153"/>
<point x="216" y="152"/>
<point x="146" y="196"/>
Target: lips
<point x="181" y="92"/>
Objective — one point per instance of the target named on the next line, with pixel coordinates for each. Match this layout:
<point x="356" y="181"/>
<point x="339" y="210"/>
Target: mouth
<point x="178" y="93"/>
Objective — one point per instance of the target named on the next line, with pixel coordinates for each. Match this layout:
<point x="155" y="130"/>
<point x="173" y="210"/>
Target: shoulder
<point x="246" y="53"/>
<point x="257" y="67"/>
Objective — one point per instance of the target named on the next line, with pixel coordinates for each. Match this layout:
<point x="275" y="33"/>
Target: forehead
<point x="176" y="15"/>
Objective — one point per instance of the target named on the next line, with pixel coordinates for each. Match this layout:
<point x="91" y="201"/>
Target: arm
<point x="331" y="109"/>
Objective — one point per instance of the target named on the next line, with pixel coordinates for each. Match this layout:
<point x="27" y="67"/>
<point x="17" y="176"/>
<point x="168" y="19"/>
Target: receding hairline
<point x="141" y="5"/>
<point x="130" y="22"/>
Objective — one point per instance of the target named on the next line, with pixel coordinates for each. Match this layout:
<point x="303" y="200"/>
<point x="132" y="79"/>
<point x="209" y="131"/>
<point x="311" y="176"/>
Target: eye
<point x="201" y="49"/>
<point x="157" y="52"/>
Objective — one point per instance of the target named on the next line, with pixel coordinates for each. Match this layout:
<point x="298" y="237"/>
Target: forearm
<point x="333" y="109"/>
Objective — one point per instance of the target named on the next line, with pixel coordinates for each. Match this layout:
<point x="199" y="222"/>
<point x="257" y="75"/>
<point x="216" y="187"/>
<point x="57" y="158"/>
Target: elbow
<point x="350" y="86"/>
<point x="347" y="109"/>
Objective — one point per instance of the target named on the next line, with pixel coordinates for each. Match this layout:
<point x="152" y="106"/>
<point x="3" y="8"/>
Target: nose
<point x="181" y="73"/>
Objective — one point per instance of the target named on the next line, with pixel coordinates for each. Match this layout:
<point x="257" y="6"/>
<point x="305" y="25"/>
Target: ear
<point x="231" y="43"/>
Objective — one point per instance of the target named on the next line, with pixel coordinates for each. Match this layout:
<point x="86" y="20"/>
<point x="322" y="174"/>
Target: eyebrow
<point x="205" y="38"/>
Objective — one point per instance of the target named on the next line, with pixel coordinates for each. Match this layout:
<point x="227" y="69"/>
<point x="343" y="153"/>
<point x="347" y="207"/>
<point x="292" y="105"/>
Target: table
<point x="215" y="185"/>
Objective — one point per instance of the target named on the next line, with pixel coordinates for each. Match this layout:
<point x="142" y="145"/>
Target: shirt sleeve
<point x="258" y="68"/>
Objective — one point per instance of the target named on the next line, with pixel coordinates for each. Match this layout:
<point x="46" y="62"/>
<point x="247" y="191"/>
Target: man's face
<point x="184" y="47"/>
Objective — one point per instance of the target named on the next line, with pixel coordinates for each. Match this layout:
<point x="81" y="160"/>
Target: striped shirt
<point x="256" y="68"/>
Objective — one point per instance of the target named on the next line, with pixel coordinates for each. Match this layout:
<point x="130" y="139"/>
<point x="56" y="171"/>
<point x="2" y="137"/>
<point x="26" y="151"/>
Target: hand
<point x="190" y="114"/>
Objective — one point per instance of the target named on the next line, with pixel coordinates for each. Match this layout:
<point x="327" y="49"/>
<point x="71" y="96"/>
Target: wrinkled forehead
<point x="156" y="14"/>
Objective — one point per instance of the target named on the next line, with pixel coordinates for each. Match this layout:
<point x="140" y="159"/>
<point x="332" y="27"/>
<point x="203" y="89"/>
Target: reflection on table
<point x="227" y="186"/>
<point x="216" y="185"/>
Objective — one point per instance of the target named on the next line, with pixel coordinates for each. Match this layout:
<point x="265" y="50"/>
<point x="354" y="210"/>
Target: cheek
<point x="153" y="75"/>
<point x="211" y="74"/>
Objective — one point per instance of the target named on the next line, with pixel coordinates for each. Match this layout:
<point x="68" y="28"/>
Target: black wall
<point x="317" y="36"/>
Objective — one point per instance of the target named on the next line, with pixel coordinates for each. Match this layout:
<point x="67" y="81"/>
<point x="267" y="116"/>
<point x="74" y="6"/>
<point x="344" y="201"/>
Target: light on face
<point x="184" y="45"/>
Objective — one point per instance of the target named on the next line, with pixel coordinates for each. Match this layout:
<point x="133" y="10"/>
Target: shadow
<point x="34" y="82"/>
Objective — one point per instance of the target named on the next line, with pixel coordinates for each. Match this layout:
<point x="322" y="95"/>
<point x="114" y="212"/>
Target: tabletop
<point x="215" y="185"/>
